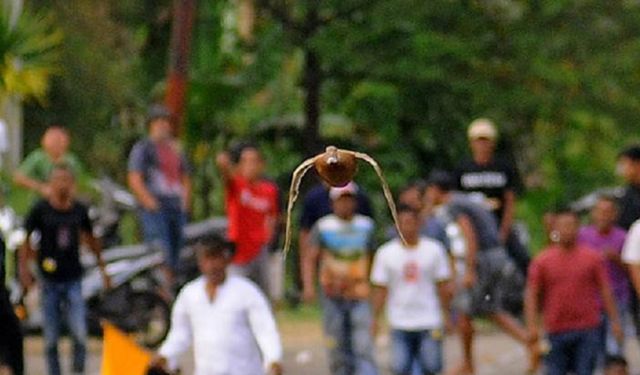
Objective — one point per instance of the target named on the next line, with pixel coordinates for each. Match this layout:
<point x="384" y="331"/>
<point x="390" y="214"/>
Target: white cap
<point x="482" y="128"/>
<point x="349" y="189"/>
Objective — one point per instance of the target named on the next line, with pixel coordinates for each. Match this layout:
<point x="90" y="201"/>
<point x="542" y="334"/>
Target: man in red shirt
<point x="569" y="284"/>
<point x="252" y="205"/>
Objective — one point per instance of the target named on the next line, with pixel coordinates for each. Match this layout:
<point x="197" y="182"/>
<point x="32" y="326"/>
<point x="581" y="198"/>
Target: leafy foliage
<point x="29" y="53"/>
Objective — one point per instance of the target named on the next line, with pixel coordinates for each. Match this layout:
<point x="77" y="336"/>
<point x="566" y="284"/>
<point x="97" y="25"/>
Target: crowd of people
<point x="460" y="259"/>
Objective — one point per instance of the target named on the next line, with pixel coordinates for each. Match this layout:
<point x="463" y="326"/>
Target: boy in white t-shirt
<point x="413" y="281"/>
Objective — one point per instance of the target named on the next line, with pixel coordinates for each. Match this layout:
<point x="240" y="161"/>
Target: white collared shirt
<point x="234" y="334"/>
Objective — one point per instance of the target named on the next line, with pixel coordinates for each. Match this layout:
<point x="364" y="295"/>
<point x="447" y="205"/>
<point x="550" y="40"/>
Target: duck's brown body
<point x="336" y="167"/>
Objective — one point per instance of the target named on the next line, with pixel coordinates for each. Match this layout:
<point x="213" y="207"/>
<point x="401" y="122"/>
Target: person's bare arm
<point x="27" y="182"/>
<point x="187" y="193"/>
<point x="508" y="213"/>
<point x="610" y="308"/>
<point x="472" y="249"/>
<point x="378" y="299"/>
<point x="310" y="255"/>
<point x="272" y="223"/>
<point x="531" y="308"/>
<point x="445" y="296"/>
<point x="225" y="166"/>
<point x="139" y="189"/>
<point x="96" y="248"/>
<point x="25" y="255"/>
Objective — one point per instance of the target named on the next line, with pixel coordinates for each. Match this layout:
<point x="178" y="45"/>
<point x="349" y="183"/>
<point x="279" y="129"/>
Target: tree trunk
<point x="183" y="17"/>
<point x="312" y="85"/>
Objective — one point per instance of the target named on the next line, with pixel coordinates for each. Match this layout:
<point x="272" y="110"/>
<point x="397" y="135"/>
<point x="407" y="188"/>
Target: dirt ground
<point x="304" y="353"/>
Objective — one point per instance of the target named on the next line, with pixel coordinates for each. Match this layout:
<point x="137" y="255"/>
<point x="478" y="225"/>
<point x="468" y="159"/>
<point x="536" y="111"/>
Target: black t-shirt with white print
<point x="492" y="180"/>
<point x="59" y="251"/>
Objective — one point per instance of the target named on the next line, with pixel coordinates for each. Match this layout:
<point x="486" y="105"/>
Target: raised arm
<point x="225" y="166"/>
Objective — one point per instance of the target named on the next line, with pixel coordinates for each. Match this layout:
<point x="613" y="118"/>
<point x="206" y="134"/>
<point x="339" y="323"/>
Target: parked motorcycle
<point x="135" y="303"/>
<point x="106" y="214"/>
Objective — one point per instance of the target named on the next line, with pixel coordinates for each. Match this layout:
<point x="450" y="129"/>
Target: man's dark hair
<point x="608" y="198"/>
<point x="566" y="211"/>
<point x="631" y="153"/>
<point x="213" y="244"/>
<point x="236" y="151"/>
<point x="62" y="167"/>
<point x="442" y="179"/>
<point x="158" y="111"/>
<point x="406" y="209"/>
<point x="615" y="360"/>
<point x="420" y="185"/>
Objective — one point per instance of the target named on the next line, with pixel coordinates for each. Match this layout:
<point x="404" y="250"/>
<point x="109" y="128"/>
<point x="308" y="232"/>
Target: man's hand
<point x="44" y="190"/>
<point x="150" y="204"/>
<point x="617" y="331"/>
<point x="223" y="160"/>
<point x="159" y="363"/>
<point x="276" y="369"/>
<point x="469" y="279"/>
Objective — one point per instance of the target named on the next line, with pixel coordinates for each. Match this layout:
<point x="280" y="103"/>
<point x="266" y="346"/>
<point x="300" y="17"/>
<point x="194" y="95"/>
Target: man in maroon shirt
<point x="569" y="284"/>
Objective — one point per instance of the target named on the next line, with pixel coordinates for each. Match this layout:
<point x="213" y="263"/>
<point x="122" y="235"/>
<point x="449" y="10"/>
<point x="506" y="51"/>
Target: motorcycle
<point x="134" y="303"/>
<point x="106" y="214"/>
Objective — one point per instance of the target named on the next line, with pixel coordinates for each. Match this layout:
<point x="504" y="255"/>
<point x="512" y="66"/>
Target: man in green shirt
<point x="34" y="171"/>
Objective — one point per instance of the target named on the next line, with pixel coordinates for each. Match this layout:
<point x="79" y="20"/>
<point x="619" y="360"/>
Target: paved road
<point x="304" y="354"/>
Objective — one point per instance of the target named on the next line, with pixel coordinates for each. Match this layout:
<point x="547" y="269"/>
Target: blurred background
<point x="400" y="80"/>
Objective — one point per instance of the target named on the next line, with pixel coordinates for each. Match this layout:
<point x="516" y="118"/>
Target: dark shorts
<point x="497" y="281"/>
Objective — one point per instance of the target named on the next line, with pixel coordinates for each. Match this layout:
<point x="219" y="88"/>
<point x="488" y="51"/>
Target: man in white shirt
<point x="631" y="254"/>
<point x="413" y="282"/>
<point x="226" y="319"/>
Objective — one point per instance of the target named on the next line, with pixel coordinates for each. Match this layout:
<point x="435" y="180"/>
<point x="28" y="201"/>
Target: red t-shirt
<point x="248" y="207"/>
<point x="569" y="286"/>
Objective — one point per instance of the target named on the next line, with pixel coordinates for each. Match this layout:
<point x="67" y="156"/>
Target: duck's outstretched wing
<point x="298" y="173"/>
<point x="385" y="189"/>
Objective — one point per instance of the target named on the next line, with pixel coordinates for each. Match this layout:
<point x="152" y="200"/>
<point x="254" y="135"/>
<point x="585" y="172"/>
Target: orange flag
<point x="121" y="355"/>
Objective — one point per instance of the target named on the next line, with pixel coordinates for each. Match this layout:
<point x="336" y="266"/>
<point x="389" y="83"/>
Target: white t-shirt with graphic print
<point x="411" y="275"/>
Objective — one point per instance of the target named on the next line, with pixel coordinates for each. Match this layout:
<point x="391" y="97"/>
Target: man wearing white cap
<point x="494" y="181"/>
<point x="342" y="242"/>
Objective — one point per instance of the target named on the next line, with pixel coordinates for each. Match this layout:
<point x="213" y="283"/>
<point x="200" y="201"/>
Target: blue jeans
<point x="573" y="350"/>
<point x="58" y="298"/>
<point x="164" y="227"/>
<point x="347" y="324"/>
<point x="423" y="348"/>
